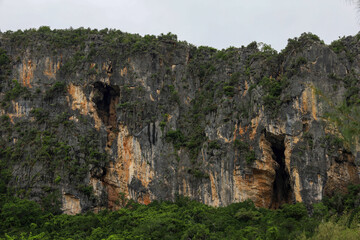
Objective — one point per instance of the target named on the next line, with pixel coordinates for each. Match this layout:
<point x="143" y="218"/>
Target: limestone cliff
<point x="91" y="118"/>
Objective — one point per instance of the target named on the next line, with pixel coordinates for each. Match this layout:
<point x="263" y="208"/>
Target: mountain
<point x="91" y="118"/>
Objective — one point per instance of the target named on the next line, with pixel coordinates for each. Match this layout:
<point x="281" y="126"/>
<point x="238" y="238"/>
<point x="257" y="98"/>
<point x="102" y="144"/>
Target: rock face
<point x="92" y="118"/>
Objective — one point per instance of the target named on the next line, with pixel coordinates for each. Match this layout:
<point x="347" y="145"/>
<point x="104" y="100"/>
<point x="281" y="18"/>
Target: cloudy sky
<point x="216" y="23"/>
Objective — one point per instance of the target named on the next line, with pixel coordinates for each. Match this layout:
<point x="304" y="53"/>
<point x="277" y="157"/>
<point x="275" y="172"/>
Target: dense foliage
<point x="334" y="218"/>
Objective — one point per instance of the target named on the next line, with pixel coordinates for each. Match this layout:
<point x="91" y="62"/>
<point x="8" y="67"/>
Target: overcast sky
<point x="215" y="23"/>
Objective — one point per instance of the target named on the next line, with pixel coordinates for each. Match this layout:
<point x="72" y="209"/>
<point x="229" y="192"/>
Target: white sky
<point x="215" y="23"/>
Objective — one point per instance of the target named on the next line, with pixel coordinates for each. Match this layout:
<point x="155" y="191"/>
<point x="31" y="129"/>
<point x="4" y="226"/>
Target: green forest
<point x="333" y="218"/>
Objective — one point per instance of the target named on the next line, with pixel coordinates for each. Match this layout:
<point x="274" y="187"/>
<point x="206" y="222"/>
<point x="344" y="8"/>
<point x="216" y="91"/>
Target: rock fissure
<point x="106" y="97"/>
<point x="282" y="190"/>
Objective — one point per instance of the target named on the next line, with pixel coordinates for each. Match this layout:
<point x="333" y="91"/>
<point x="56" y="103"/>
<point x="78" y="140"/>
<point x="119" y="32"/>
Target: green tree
<point x="20" y="213"/>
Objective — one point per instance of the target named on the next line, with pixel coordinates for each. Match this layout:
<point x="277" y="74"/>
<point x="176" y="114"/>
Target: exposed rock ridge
<point x="112" y="116"/>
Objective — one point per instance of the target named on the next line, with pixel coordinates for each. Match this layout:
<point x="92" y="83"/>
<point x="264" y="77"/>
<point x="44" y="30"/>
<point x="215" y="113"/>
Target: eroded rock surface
<point x="113" y="116"/>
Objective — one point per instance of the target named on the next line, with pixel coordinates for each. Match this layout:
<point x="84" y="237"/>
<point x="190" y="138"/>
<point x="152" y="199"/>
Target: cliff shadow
<point x="106" y="97"/>
<point x="282" y="190"/>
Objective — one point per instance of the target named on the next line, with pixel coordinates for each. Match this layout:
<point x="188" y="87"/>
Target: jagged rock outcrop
<point x="91" y="118"/>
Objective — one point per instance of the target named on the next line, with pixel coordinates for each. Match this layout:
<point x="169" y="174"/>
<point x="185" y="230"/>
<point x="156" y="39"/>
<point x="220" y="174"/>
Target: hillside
<point x="90" y="118"/>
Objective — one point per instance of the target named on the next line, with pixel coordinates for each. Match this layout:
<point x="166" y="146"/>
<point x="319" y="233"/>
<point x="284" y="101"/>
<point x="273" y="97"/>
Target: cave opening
<point x="106" y="98"/>
<point x="282" y="190"/>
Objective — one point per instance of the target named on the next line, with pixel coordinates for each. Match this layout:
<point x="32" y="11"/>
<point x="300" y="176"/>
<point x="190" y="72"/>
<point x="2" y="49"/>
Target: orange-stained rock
<point x="254" y="125"/>
<point x="297" y="185"/>
<point x="27" y="72"/>
<point x="288" y="142"/>
<point x="257" y="184"/>
<point x="313" y="104"/>
<point x="70" y="204"/>
<point x="51" y="68"/>
<point x="308" y="104"/>
<point x="144" y="198"/>
<point x="296" y="161"/>
<point x="214" y="192"/>
<point x="128" y="165"/>
<point x="80" y="102"/>
<point x="242" y="130"/>
<point x="340" y="174"/>
<point x="220" y="136"/>
<point x="246" y="88"/>
<point x="123" y="72"/>
<point x="20" y="111"/>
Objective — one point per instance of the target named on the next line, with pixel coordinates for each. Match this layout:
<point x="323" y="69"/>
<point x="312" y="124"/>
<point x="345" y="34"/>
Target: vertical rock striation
<point x="93" y="118"/>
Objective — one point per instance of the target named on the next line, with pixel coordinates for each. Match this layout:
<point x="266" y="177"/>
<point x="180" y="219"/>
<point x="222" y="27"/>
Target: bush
<point x="302" y="41"/>
<point x="250" y="157"/>
<point x="296" y="211"/>
<point x="168" y="37"/>
<point x="229" y="91"/>
<point x="57" y="89"/>
<point x="16" y="91"/>
<point x="330" y="230"/>
<point x="4" y="59"/>
<point x="214" y="145"/>
<point x="176" y="137"/>
<point x="44" y="29"/>
<point x="337" y="46"/>
<point x="300" y="61"/>
<point x="40" y="115"/>
<point x="19" y="214"/>
<point x="244" y="214"/>
<point x="272" y="92"/>
<point x="241" y="145"/>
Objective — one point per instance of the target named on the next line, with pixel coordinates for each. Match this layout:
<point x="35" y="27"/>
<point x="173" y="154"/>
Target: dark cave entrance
<point x="106" y="98"/>
<point x="282" y="191"/>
